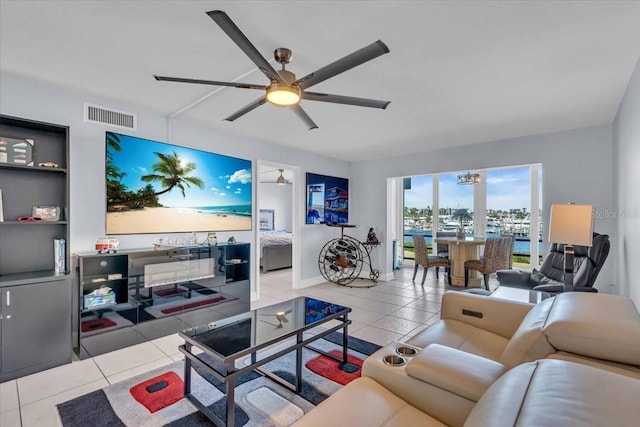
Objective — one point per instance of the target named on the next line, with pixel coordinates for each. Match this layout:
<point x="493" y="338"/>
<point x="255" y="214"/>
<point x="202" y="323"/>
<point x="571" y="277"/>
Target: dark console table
<point x="136" y="295"/>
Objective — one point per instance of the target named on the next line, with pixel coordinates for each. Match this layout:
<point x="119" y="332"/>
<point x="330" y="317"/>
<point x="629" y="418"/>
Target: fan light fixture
<point x="469" y="178"/>
<point x="281" y="180"/>
<point x="282" y="94"/>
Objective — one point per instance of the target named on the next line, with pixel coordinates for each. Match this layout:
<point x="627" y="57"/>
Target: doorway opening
<point x="275" y="231"/>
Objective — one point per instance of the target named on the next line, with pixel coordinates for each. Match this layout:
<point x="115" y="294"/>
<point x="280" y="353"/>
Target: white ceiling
<point x="458" y="72"/>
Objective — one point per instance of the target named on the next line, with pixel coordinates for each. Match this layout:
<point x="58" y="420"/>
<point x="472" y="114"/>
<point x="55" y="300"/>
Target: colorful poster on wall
<point x="327" y="199"/>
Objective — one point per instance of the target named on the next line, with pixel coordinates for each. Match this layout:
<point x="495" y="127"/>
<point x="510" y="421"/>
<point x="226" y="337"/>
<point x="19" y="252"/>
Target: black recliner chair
<point x="587" y="263"/>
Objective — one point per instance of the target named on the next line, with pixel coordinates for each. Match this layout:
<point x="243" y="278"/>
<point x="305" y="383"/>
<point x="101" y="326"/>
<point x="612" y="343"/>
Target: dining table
<point x="461" y="250"/>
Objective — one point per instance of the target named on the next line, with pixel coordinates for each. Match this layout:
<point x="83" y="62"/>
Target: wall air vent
<point x="107" y="116"/>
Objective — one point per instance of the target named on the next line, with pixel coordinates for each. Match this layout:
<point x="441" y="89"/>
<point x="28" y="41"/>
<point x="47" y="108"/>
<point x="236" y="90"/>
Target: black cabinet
<point x="35" y="327"/>
<point x="132" y="296"/>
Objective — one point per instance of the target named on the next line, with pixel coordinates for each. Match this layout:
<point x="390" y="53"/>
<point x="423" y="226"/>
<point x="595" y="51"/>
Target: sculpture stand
<point x="341" y="260"/>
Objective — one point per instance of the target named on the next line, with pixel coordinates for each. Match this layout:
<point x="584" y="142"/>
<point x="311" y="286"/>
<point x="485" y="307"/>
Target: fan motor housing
<point x="282" y="55"/>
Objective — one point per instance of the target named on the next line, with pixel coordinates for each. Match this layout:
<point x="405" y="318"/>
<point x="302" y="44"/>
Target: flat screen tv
<point x="154" y="187"/>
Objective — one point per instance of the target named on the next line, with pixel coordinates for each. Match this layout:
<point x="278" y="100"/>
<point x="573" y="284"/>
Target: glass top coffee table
<point x="246" y="335"/>
<point x="522" y="295"/>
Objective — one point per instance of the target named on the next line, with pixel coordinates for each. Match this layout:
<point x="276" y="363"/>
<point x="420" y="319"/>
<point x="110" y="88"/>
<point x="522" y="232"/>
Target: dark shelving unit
<point x="35" y="301"/>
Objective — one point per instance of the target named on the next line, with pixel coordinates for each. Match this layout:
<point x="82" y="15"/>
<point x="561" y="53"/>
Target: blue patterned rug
<point x="259" y="401"/>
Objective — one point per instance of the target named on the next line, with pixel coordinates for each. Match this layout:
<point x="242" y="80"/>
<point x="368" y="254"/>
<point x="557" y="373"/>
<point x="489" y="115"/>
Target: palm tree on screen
<point x="170" y="173"/>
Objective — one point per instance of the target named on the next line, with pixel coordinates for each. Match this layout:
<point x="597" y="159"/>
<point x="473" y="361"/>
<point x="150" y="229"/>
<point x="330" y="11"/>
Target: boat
<point x="450" y="226"/>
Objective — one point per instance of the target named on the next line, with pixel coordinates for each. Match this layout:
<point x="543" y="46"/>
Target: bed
<point x="275" y="246"/>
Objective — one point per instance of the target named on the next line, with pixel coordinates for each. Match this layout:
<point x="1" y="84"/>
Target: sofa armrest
<point x="447" y="407"/>
<point x="560" y="288"/>
<point x="515" y="278"/>
<point x="461" y="373"/>
<point x="501" y="317"/>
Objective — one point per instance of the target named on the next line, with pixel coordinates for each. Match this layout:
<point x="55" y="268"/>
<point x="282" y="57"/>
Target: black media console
<point x="133" y="296"/>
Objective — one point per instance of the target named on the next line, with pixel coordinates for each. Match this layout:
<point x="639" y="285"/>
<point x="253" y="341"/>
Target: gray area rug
<point x="259" y="401"/>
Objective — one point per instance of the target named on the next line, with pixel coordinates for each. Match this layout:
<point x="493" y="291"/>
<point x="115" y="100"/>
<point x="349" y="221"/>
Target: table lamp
<point x="570" y="225"/>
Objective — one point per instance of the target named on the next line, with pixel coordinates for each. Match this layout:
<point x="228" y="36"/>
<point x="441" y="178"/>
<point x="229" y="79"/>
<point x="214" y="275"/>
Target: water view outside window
<point x="508" y="204"/>
<point x="456" y="204"/>
<point x="509" y="209"/>
<point x="418" y="211"/>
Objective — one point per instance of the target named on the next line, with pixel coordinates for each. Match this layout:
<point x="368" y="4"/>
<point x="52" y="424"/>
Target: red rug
<point x="158" y="392"/>
<point x="192" y="305"/>
<point x="96" y="324"/>
<point x="330" y="368"/>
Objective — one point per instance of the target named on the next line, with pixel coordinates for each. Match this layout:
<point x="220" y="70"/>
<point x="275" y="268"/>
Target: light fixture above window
<point x="469" y="178"/>
<point x="281" y="180"/>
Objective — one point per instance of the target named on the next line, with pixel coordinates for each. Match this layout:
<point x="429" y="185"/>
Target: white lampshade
<point x="571" y="224"/>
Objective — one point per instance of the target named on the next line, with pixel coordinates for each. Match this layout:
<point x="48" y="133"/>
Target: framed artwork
<point x="16" y="151"/>
<point x="266" y="219"/>
<point x="327" y="199"/>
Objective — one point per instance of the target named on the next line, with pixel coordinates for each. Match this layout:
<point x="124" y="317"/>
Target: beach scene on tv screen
<point x="154" y="187"/>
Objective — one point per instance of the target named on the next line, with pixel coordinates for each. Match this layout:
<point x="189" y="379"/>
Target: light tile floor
<point x="390" y="311"/>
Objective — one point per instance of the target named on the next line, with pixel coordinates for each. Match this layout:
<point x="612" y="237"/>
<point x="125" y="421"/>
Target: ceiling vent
<point x="106" y="116"/>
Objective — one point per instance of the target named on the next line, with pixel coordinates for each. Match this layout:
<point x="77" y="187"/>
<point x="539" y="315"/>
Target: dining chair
<point x="497" y="252"/>
<point x="513" y="243"/>
<point x="422" y="258"/>
<point x="442" y="249"/>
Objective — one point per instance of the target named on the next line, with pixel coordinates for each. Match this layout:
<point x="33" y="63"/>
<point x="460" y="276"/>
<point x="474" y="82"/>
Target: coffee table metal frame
<point x="233" y="372"/>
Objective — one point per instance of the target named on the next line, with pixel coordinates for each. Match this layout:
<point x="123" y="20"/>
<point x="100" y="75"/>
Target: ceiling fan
<point x="283" y="89"/>
<point x="281" y="180"/>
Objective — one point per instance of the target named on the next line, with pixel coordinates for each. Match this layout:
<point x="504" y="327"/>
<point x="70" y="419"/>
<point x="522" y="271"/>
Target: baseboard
<point x="306" y="283"/>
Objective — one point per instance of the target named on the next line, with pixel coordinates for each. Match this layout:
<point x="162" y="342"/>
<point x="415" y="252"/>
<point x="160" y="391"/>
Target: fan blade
<point x="347" y="100"/>
<point x="244" y="110"/>
<point x="358" y="57"/>
<point x="209" y="82"/>
<point x="304" y="117"/>
<point x="232" y="30"/>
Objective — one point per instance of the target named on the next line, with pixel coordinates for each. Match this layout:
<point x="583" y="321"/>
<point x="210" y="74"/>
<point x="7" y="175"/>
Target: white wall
<point x="577" y="167"/>
<point x="32" y="99"/>
<point x="278" y="198"/>
<point x="626" y="164"/>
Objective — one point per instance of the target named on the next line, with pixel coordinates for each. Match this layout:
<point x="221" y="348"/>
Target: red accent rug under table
<point x="330" y="368"/>
<point x="154" y="400"/>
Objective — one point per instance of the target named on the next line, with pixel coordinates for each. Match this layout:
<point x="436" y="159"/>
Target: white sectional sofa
<point x="571" y="360"/>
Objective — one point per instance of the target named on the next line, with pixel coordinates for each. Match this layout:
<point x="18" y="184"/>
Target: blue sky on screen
<point x="506" y="189"/>
<point x="227" y="180"/>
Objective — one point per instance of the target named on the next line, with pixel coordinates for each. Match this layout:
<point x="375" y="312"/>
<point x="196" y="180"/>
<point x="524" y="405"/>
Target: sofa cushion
<point x="537" y="278"/>
<point x="607" y="365"/>
<point x="460" y="335"/>
<point x="528" y="342"/>
<point x="595" y="325"/>
<point x="364" y="402"/>
<point x="558" y="393"/>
